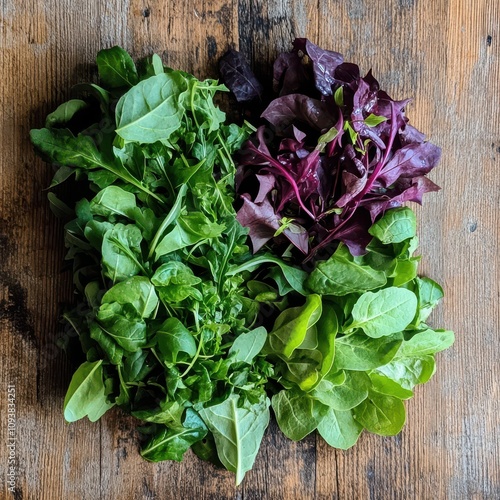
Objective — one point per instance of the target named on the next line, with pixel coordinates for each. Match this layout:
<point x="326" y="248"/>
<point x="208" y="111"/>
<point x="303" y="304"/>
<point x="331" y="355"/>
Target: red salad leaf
<point x="336" y="153"/>
<point x="238" y="76"/>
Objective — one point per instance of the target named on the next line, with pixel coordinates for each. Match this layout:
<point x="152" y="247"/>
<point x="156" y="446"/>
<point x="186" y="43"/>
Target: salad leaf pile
<point x="336" y="153"/>
<point x="184" y="326"/>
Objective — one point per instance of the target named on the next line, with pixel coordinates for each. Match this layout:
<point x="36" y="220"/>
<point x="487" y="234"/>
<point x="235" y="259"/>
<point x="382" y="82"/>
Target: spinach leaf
<point x="171" y="443"/>
<point x="151" y="110"/>
<point x="361" y="353"/>
<point x="247" y="345"/>
<point x="64" y="113"/>
<point x="87" y="393"/>
<point x="291" y="326"/>
<point x="427" y="342"/>
<point x="174" y="338"/>
<point x="238" y="431"/>
<point x="385" y="312"/>
<point x="116" y="68"/>
<point x="136" y="291"/>
<point x="429" y="294"/>
<point x="381" y="414"/>
<point x="121" y="251"/>
<point x="342" y="393"/>
<point x="395" y="226"/>
<point x="342" y="275"/>
<point x="339" y="429"/>
<point x="297" y="414"/>
<point x="113" y="200"/>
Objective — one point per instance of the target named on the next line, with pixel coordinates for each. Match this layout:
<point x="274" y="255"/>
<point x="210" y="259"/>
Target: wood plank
<point x="446" y="54"/>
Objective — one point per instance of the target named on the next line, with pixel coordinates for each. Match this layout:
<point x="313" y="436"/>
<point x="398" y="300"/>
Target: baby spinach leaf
<point x="121" y="323"/>
<point x="168" y="413"/>
<point x="113" y="200"/>
<point x="401" y="375"/>
<point x="135" y="366"/>
<point x="121" y="251"/>
<point x="64" y="112"/>
<point x="116" y="68"/>
<point x="175" y="282"/>
<point x="238" y="431"/>
<point x="291" y="326"/>
<point x="87" y="394"/>
<point x="341" y="275"/>
<point x="189" y="230"/>
<point x="247" y="345"/>
<point x="327" y="327"/>
<point x="388" y="386"/>
<point x="381" y="414"/>
<point x="95" y="231"/>
<point x="297" y="414"/>
<point x="429" y="294"/>
<point x="396" y="225"/>
<point x="427" y="342"/>
<point x="339" y="429"/>
<point x="172" y="443"/>
<point x="111" y="349"/>
<point x="342" y="393"/>
<point x="173" y="338"/>
<point x="361" y="353"/>
<point x="385" y="312"/>
<point x="136" y="291"/>
<point x="405" y="271"/>
<point x="151" y="110"/>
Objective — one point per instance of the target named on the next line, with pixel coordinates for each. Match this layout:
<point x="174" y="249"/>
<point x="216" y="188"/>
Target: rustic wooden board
<point x="446" y="54"/>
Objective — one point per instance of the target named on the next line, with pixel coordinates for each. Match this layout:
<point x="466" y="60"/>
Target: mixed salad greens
<point x="220" y="274"/>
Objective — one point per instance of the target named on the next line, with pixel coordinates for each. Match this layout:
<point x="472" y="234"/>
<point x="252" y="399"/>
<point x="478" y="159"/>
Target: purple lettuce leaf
<point x="413" y="160"/>
<point x="324" y="64"/>
<point x="239" y="78"/>
<point x="297" y="109"/>
<point x="263" y="222"/>
<point x="290" y="76"/>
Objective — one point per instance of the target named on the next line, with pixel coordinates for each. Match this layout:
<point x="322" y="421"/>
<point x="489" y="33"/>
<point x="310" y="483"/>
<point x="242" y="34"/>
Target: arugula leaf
<point x="189" y="230"/>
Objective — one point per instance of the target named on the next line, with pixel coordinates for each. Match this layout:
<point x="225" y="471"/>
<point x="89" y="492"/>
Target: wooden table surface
<point x="444" y="53"/>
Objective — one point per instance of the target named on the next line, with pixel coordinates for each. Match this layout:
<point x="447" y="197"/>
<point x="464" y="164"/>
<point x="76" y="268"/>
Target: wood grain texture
<point x="445" y="53"/>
